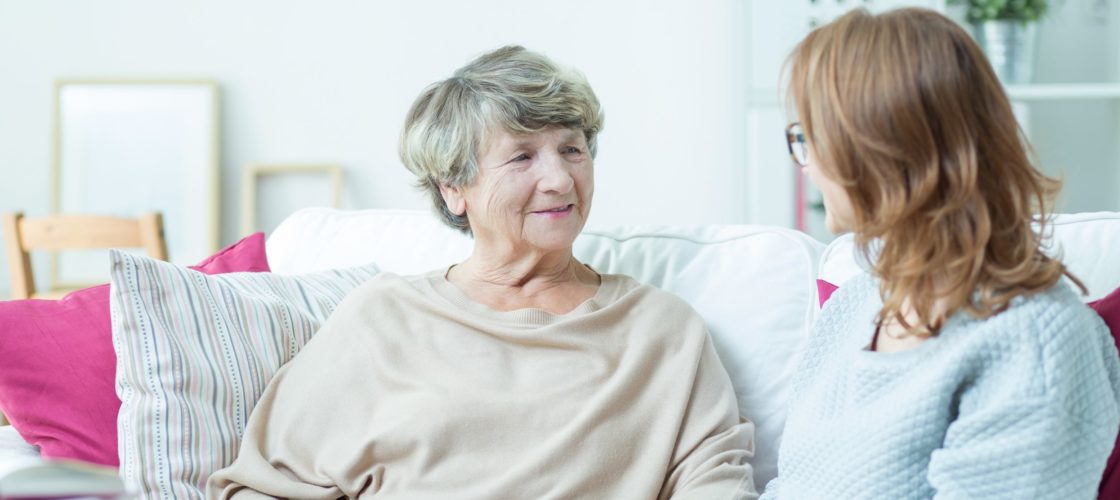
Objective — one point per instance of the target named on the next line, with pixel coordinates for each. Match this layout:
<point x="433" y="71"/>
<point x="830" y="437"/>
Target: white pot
<point x="1010" y="46"/>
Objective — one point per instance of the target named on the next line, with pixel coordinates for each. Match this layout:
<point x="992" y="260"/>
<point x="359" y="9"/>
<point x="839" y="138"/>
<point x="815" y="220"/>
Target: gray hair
<point x="512" y="88"/>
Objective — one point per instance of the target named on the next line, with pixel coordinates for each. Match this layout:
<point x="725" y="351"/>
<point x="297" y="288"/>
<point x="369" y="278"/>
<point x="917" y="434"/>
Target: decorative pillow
<point x="56" y="380"/>
<point x="1109" y="310"/>
<point x="194" y="354"/>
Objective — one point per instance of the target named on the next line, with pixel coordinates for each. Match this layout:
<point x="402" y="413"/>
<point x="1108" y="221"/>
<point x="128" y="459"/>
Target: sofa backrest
<point x="754" y="285"/>
<point x="1087" y="243"/>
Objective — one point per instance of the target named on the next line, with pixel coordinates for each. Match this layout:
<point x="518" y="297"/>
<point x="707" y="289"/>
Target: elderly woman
<point x="961" y="365"/>
<point x="519" y="372"/>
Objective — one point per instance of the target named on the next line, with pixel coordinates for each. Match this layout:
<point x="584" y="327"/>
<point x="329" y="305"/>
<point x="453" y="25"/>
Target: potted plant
<point x="1007" y="32"/>
<point x="1024" y="11"/>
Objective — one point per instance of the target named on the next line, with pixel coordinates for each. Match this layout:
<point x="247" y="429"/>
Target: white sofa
<point x="755" y="285"/>
<point x="1086" y="242"/>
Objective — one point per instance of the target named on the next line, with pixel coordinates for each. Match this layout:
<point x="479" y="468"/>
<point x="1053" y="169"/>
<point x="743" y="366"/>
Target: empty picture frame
<point x="127" y="147"/>
<point x="306" y="174"/>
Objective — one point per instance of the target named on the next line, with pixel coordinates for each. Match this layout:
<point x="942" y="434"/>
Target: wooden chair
<point x="72" y="232"/>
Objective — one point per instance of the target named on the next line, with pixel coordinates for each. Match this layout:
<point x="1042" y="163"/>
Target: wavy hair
<point x="512" y="88"/>
<point x="903" y="110"/>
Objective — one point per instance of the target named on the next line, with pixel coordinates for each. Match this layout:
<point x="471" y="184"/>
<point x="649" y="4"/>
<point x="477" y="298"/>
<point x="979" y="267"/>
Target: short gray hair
<point x="512" y="88"/>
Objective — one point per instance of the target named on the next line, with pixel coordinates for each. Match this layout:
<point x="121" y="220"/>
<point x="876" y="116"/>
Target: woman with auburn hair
<point x="961" y="365"/>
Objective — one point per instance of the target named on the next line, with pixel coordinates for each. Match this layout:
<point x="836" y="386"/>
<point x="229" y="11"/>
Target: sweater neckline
<point x="865" y="338"/>
<point x="866" y="356"/>
<point x="609" y="287"/>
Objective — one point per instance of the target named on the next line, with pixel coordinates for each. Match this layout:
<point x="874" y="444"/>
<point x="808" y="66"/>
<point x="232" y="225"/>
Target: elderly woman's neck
<point x="554" y="282"/>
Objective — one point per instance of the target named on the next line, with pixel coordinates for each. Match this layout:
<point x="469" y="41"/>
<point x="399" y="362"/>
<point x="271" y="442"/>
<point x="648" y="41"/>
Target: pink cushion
<point x="57" y="365"/>
<point x="824" y="291"/>
<point x="1109" y="310"/>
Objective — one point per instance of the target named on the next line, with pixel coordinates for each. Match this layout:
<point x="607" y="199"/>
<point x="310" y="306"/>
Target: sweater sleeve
<point x="1052" y="437"/>
<point x="773" y="490"/>
<point x="715" y="444"/>
<point x="285" y="451"/>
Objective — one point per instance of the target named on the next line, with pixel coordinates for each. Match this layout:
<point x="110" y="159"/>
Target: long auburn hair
<point x="904" y="111"/>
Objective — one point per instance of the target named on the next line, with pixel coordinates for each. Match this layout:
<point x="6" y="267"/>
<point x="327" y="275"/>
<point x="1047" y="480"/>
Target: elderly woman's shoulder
<point x="637" y="293"/>
<point x="383" y="286"/>
<point x="661" y="316"/>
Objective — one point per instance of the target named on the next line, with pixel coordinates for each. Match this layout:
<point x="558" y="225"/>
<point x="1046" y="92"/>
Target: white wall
<point x="689" y="88"/>
<point x="330" y="81"/>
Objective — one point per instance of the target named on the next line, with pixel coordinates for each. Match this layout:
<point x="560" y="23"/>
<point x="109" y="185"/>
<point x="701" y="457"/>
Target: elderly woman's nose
<point x="556" y="175"/>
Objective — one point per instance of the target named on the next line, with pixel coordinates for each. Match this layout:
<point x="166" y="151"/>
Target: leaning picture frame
<point x="127" y="147"/>
<point x="253" y="173"/>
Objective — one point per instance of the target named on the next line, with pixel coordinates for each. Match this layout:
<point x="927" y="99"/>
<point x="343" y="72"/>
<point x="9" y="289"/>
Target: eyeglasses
<point x="798" y="148"/>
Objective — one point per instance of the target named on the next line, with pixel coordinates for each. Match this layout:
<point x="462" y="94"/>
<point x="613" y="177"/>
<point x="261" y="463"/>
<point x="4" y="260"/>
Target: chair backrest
<point x="23" y="235"/>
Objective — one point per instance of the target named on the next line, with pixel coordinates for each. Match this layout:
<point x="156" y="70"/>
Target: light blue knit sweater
<point x="1021" y="405"/>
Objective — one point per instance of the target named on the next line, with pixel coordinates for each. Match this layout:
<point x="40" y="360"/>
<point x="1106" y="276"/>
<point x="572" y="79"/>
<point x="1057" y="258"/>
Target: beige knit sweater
<point x="413" y="391"/>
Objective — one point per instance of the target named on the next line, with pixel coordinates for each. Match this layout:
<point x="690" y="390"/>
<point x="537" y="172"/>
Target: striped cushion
<point x="195" y="352"/>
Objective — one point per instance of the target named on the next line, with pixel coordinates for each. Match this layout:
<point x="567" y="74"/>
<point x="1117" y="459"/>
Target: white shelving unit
<point x="1075" y="131"/>
<point x="1062" y="91"/>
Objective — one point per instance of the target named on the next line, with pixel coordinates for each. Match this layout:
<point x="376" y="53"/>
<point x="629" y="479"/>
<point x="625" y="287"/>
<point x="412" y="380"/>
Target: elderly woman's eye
<point x="573" y="150"/>
<point x="521" y="157"/>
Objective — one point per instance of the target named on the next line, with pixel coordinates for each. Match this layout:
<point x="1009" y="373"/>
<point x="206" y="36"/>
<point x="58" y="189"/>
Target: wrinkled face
<point x="532" y="191"/>
<point x="838" y="214"/>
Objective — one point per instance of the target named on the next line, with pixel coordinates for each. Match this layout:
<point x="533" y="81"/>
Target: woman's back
<point x="1028" y="393"/>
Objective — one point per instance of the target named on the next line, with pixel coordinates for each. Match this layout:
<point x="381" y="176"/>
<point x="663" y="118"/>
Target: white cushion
<point x="13" y="449"/>
<point x="399" y="241"/>
<point x="1086" y="243"/>
<point x="753" y="284"/>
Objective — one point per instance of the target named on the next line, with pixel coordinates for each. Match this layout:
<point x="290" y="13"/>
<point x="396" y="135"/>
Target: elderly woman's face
<point x="532" y="190"/>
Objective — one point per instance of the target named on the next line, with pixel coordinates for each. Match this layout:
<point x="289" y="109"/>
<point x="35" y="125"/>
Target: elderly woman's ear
<point x="453" y="197"/>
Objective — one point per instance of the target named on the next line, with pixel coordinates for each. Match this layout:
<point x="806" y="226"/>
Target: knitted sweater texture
<point x="1023" y="404"/>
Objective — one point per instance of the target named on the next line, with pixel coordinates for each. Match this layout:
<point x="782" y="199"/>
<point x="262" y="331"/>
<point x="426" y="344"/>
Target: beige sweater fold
<point x="413" y="391"/>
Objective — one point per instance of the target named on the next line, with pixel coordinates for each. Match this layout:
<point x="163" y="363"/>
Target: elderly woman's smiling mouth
<point x="556" y="212"/>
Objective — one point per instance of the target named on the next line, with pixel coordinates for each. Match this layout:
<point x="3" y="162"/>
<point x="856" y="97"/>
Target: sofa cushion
<point x="56" y="381"/>
<point x="194" y="354"/>
<point x="1086" y="242"/>
<point x="1109" y="310"/>
<point x="752" y="284"/>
